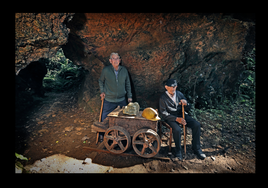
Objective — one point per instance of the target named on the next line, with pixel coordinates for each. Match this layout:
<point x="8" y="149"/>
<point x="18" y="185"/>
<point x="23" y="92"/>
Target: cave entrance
<point x="41" y="117"/>
<point x="55" y="75"/>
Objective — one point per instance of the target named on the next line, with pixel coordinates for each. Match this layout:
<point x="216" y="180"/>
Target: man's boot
<point x="200" y="154"/>
<point x="178" y="154"/>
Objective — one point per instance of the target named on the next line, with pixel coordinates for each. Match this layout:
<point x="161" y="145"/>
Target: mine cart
<point x="123" y="130"/>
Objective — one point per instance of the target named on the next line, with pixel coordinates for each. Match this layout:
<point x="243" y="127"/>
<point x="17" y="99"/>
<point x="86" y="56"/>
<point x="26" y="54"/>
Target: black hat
<point x="171" y="83"/>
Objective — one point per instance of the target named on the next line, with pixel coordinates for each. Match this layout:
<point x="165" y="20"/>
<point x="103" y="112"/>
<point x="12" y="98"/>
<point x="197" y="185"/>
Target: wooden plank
<point x="116" y="112"/>
<point x="125" y="116"/>
<point x="119" y="113"/>
<point x="97" y="129"/>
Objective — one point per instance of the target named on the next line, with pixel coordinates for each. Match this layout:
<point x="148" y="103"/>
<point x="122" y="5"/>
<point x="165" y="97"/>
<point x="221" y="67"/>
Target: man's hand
<point x="102" y="95"/>
<point x="181" y="121"/>
<point x="129" y="99"/>
<point x="184" y="102"/>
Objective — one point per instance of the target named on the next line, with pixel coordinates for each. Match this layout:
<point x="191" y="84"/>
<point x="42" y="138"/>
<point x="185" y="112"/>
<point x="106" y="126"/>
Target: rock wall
<point x="201" y="51"/>
<point x="39" y="35"/>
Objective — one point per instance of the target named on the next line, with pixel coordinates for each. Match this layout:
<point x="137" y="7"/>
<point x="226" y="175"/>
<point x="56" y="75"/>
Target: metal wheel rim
<point x="117" y="139"/>
<point x="146" y="143"/>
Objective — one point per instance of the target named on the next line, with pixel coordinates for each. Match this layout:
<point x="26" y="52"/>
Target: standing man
<point x="171" y="112"/>
<point x="114" y="85"/>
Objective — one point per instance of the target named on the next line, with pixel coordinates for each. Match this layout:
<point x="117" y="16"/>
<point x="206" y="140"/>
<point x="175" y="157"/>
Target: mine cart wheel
<point x="146" y="143"/>
<point x="117" y="139"/>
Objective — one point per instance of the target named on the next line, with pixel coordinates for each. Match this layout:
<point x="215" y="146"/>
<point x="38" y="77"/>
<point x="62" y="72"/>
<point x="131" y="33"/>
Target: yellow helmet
<point x="150" y="113"/>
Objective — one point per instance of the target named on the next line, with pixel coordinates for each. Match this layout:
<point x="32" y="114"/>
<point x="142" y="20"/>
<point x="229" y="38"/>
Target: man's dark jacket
<point x="167" y="107"/>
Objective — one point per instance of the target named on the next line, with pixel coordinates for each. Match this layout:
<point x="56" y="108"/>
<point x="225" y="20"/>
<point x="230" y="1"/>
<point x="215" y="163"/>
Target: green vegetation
<point x="244" y="92"/>
<point x="233" y="128"/>
<point x="231" y="121"/>
<point x="18" y="166"/>
<point x="62" y="74"/>
<point x="247" y="82"/>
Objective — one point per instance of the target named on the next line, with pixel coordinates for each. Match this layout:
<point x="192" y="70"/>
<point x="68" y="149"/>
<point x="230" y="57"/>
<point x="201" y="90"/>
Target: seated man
<point x="171" y="112"/>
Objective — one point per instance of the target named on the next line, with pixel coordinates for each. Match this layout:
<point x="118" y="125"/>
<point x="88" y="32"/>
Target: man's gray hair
<point x="113" y="53"/>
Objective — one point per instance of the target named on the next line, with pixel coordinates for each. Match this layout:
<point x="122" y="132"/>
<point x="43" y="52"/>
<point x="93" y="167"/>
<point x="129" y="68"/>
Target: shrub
<point x="62" y="74"/>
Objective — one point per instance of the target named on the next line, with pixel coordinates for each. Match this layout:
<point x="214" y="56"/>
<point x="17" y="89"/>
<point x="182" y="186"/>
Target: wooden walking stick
<point x="97" y="140"/>
<point x="101" y="109"/>
<point x="184" y="130"/>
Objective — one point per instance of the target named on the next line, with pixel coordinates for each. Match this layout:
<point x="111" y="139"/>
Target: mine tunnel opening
<point x="56" y="74"/>
<point x="40" y="87"/>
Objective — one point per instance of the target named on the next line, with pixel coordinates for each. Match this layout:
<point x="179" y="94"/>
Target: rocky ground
<point x="55" y="125"/>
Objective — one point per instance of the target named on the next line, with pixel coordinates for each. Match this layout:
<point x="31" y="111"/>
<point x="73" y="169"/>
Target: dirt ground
<point x="55" y="125"/>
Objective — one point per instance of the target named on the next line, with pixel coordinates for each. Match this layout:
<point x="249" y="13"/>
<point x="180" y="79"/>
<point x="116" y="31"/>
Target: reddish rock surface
<point x="201" y="50"/>
<point x="39" y="35"/>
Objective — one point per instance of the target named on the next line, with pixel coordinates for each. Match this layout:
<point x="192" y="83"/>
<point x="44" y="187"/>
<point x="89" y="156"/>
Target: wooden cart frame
<point x="125" y="130"/>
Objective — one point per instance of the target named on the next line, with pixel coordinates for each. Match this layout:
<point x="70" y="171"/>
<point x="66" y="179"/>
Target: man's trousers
<point x="176" y="129"/>
<point x="110" y="106"/>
